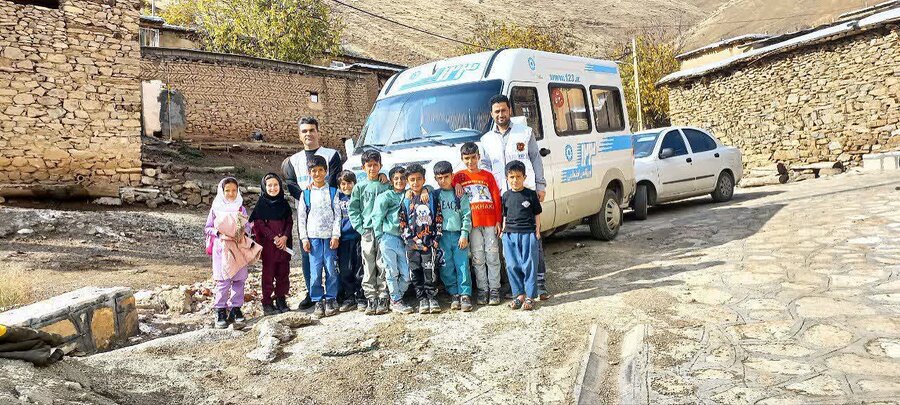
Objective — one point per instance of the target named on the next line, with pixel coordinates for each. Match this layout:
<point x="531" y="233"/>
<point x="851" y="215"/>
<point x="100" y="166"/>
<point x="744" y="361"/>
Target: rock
<point x="72" y="385"/>
<point x="293" y="320"/>
<point x="273" y="328"/>
<point x="272" y="333"/>
<point x="178" y="301"/>
<point x="364" y="346"/>
<point x="150" y="172"/>
<point x="112" y="201"/>
<point x="191" y="185"/>
<point x="269" y="348"/>
<point x="2" y="200"/>
<point x="25" y="231"/>
<point x="145" y="299"/>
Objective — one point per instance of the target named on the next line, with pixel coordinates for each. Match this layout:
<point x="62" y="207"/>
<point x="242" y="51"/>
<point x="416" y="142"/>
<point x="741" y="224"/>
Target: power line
<point x="369" y="13"/>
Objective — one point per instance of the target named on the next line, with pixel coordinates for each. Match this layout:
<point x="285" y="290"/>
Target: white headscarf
<point x="220" y="204"/>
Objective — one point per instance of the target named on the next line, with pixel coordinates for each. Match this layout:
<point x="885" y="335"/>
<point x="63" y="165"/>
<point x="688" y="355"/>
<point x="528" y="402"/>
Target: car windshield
<point x="644" y="143"/>
<point x="442" y="116"/>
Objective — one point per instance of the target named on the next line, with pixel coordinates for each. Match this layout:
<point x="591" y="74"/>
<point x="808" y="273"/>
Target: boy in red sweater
<point x="484" y="199"/>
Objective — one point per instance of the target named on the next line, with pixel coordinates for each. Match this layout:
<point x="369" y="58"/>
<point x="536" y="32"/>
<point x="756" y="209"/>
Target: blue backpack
<point x="331" y="190"/>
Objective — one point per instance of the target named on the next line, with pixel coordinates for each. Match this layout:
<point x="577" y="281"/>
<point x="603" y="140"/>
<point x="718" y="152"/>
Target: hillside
<point x="601" y="28"/>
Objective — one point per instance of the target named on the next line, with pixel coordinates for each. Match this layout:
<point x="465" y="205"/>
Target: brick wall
<point x="69" y="97"/>
<point x="227" y="97"/>
<point x="828" y="102"/>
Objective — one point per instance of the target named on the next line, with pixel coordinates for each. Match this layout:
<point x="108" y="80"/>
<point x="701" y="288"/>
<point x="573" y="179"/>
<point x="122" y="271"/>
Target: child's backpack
<point x="331" y="190"/>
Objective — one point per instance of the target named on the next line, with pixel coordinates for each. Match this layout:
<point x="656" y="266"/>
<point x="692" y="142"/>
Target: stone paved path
<point x="791" y="295"/>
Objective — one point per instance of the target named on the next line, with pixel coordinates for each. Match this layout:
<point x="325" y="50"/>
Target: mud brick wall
<point x="834" y="101"/>
<point x="69" y="96"/>
<point x="228" y="97"/>
<point x="92" y="319"/>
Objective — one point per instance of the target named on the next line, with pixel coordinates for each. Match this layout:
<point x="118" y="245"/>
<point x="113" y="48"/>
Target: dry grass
<point x="15" y="290"/>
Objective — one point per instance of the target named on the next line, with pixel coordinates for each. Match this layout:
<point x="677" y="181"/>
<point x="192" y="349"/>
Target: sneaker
<point x="424" y="306"/>
<point x="306" y="303"/>
<point x="454" y="302"/>
<point x="401" y="307"/>
<point x="382" y="306"/>
<point x="319" y="311"/>
<point x="495" y="297"/>
<point x="482" y="297"/>
<point x="221" y="318"/>
<point x="348" y="305"/>
<point x="528" y="305"/>
<point x="269" y="310"/>
<point x="362" y="305"/>
<point x="370" y="307"/>
<point x="331" y="307"/>
<point x="465" y="303"/>
<point x="281" y="305"/>
<point x="434" y="305"/>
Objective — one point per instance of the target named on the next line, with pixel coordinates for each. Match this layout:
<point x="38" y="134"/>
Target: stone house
<point x="69" y="97"/>
<point x="830" y="93"/>
<point x="154" y="31"/>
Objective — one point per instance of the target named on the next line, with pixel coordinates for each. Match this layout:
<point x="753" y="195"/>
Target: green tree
<point x="497" y="34"/>
<point x="656" y="58"/>
<point x="289" y="30"/>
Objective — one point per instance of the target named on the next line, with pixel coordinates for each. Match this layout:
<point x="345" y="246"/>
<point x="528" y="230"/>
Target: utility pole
<point x="637" y="86"/>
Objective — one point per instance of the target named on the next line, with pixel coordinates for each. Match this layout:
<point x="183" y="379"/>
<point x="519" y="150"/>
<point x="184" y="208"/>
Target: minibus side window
<point x="525" y="103"/>
<point x="607" y="109"/>
<point x="570" y="110"/>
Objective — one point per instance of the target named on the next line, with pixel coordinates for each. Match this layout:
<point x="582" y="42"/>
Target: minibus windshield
<point x="442" y="116"/>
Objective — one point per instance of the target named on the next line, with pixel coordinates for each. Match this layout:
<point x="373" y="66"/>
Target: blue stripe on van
<point x="601" y="69"/>
<point x="613" y="143"/>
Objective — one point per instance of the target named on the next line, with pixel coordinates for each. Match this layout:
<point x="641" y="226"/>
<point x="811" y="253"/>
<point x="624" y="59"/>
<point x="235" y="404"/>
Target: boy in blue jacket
<point x="349" y="251"/>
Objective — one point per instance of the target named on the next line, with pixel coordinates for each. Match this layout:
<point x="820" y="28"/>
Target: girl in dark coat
<point x="273" y="222"/>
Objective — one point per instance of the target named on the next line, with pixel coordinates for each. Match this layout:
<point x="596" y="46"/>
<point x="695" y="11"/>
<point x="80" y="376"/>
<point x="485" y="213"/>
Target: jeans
<point x="304" y="263"/>
<point x="485" y="257"/>
<point x="521" y="253"/>
<point x="322" y="257"/>
<point x="455" y="272"/>
<point x="351" y="269"/>
<point x="397" y="269"/>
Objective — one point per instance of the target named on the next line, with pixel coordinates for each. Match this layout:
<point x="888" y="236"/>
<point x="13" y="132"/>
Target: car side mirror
<point x="666" y="153"/>
<point x="544" y="152"/>
<point x="349" y="147"/>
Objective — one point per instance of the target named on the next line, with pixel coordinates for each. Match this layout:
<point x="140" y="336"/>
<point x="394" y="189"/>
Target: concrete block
<point x="64" y="328"/>
<point x="872" y="161"/>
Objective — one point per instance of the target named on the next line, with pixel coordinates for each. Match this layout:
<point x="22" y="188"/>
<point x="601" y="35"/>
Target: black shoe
<point x="319" y="311"/>
<point x="482" y="298"/>
<point x="349" y="304"/>
<point x="269" y="310"/>
<point x="434" y="305"/>
<point x="221" y="318"/>
<point x="331" y="307"/>
<point x="361" y="305"/>
<point x="454" y="302"/>
<point x="382" y="307"/>
<point x="371" y="307"/>
<point x="494" y="297"/>
<point x="424" y="307"/>
<point x="306" y="303"/>
<point x="281" y="305"/>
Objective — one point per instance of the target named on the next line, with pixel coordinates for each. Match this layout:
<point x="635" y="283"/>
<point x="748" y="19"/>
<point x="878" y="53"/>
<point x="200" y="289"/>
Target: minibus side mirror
<point x="666" y="153"/>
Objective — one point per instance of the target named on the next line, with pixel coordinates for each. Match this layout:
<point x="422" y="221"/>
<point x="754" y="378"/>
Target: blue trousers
<point x="455" y="272"/>
<point x="322" y="257"/>
<point x="304" y="263"/>
<point x="396" y="267"/>
<point x="522" y="252"/>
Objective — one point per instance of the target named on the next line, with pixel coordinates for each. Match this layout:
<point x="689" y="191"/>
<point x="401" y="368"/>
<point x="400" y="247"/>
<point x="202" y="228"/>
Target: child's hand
<point x="280" y="242"/>
<point x="307" y="247"/>
<point x="500" y="230"/>
<point x="463" y="243"/>
<point x="537" y="234"/>
<point x="335" y="242"/>
<point x="383" y="178"/>
<point x="424" y="196"/>
<point x="409" y="194"/>
<point x="460" y="190"/>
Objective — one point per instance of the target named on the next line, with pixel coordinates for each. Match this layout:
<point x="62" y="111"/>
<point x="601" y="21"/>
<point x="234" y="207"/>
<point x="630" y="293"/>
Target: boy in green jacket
<point x="360" y="211"/>
<point x="454" y="241"/>
<point x="386" y="224"/>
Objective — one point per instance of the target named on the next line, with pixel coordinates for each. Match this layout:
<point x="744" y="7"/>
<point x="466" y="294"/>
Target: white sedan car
<point x="675" y="163"/>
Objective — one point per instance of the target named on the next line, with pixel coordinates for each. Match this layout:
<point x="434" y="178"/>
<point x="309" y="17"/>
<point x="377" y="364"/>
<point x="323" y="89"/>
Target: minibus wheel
<point x="606" y="223"/>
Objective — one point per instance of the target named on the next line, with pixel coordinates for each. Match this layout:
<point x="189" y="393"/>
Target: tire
<point x="724" y="188"/>
<point x="606" y="223"/>
<point x="639" y="202"/>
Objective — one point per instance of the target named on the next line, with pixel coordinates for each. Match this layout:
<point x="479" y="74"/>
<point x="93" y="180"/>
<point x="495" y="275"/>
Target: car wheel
<point x="724" y="188"/>
<point x="639" y="202"/>
<point x="605" y="224"/>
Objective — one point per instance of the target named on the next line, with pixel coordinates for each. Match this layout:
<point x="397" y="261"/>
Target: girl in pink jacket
<point x="229" y="287"/>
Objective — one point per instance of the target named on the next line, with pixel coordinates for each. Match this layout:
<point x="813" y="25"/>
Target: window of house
<point x="149" y="37"/>
<point x="699" y="141"/>
<point x="570" y="111"/>
<point x="674" y="141"/>
<point x="314" y="96"/>
<point x="525" y="103"/>
<point x="607" y="109"/>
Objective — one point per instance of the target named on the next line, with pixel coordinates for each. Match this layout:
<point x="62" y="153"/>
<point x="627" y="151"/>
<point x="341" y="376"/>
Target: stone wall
<point x="92" y="319"/>
<point x="228" y="97"/>
<point x="69" y="97"/>
<point x="827" y="102"/>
